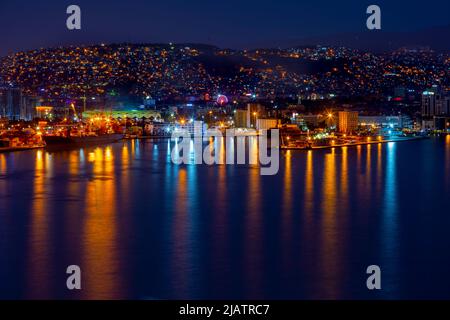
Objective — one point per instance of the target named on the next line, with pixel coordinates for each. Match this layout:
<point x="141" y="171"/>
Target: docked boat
<point x="81" y="141"/>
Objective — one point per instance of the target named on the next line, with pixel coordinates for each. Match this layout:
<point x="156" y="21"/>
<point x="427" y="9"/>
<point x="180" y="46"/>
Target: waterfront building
<point x="247" y="118"/>
<point x="429" y="104"/>
<point x="254" y="111"/>
<point x="10" y="102"/>
<point x="28" y="108"/>
<point x="14" y="105"/>
<point x="435" y="108"/>
<point x="126" y="113"/>
<point x="44" y="112"/>
<point x="265" y="124"/>
<point x="240" y="118"/>
<point x="190" y="127"/>
<point x="446" y="106"/>
<point x="427" y="124"/>
<point x="434" y="103"/>
<point x="299" y="121"/>
<point x="394" y="122"/>
<point x="348" y="121"/>
<point x="311" y="120"/>
<point x="441" y="123"/>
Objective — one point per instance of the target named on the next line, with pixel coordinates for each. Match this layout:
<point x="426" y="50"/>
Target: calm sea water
<point x="141" y="227"/>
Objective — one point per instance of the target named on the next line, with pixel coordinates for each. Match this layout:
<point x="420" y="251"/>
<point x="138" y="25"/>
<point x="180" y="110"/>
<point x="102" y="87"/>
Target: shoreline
<point x="25" y="148"/>
<point x="354" y="144"/>
<point x="13" y="149"/>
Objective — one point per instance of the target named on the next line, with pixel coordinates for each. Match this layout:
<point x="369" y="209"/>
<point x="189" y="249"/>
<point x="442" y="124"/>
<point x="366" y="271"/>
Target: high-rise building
<point x="10" y="102"/>
<point x="445" y="106"/>
<point x="429" y="104"/>
<point x="348" y="121"/>
<point x="254" y="111"/>
<point x="16" y="106"/>
<point x="28" y="107"/>
<point x="3" y="103"/>
<point x="247" y="118"/>
<point x="433" y="102"/>
<point x="240" y="118"/>
<point x="435" y="105"/>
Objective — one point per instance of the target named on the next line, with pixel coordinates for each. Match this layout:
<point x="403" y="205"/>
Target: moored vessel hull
<point x="59" y="141"/>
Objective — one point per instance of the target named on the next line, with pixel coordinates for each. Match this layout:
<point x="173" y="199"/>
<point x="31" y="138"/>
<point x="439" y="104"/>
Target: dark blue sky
<point x="229" y="23"/>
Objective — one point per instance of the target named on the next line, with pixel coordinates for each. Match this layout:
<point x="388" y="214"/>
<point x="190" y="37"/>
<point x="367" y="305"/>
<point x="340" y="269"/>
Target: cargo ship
<point x="81" y="141"/>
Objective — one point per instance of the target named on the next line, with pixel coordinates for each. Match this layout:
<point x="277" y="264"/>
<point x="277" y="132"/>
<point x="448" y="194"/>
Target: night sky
<point x="231" y="23"/>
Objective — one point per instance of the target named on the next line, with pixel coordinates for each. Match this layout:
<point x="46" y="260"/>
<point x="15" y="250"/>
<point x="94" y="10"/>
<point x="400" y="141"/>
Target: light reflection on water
<point x="39" y="241"/>
<point x="329" y="240"/>
<point x="140" y="226"/>
<point x="389" y="248"/>
<point x="99" y="232"/>
<point x="447" y="155"/>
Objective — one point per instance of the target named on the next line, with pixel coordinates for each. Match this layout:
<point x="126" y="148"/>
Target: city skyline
<point x="166" y="72"/>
